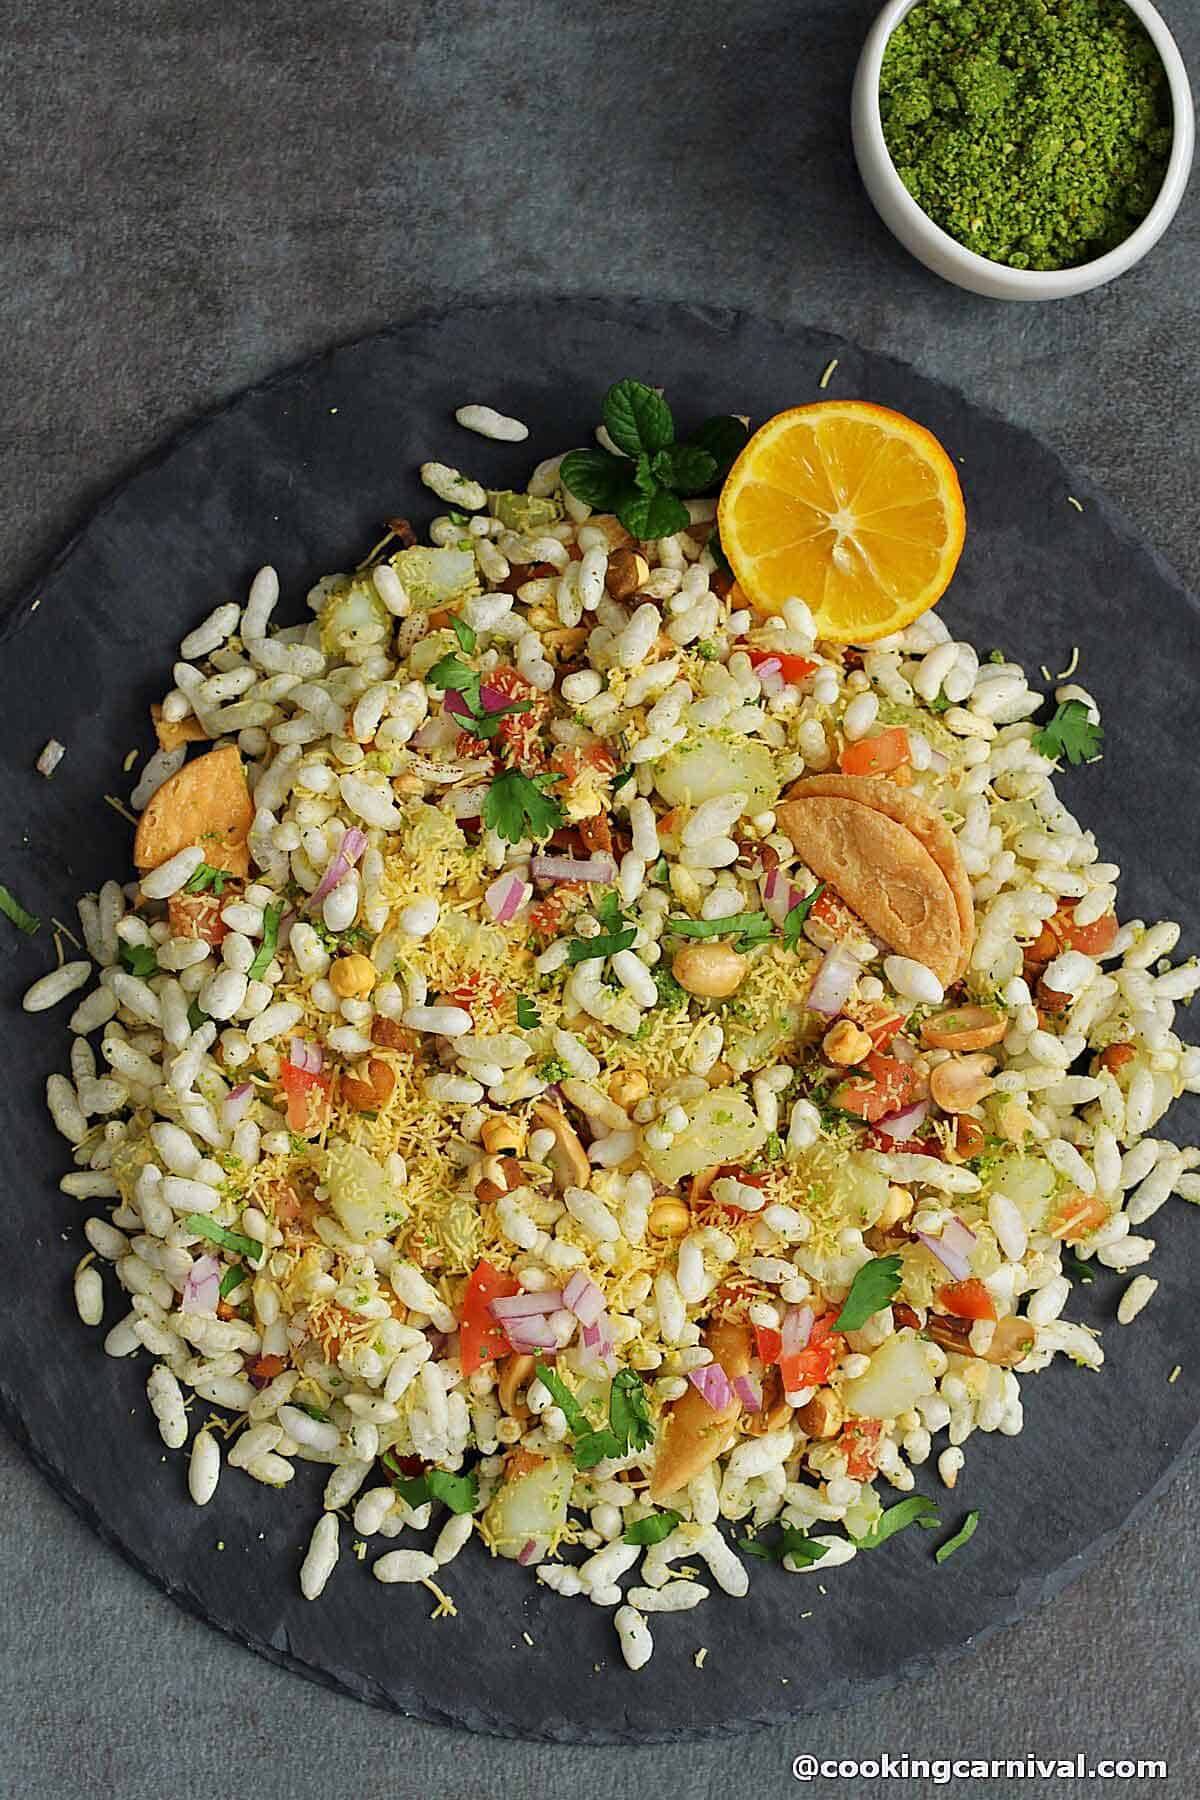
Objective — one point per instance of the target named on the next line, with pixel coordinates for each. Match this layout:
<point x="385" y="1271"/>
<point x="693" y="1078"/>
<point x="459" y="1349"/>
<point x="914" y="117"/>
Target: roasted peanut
<point x="668" y="1218"/>
<point x="774" y="1411"/>
<point x="846" y="1043"/>
<point x="969" y="1139"/>
<point x="820" y="1417"/>
<point x="711" y="971"/>
<point x="498" y="1175"/>
<point x="370" y="1094"/>
<point x="961" y="1082"/>
<point x="393" y="1036"/>
<point x="1011" y="1342"/>
<point x="627" y="1088"/>
<point x="628" y="572"/>
<point x="351" y="977"/>
<point x="502" y="1136"/>
<point x="963" y="1028"/>
<point x="405" y="785"/>
<point x="568" y="1159"/>
<point x="516" y="1373"/>
<point x="1115" y="1057"/>
<point x="720" y="1075"/>
<point x="897" y="1206"/>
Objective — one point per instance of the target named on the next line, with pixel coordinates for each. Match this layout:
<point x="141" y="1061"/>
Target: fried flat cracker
<point x="696" y="1433"/>
<point x="171" y="733"/>
<point x="207" y="803"/>
<point x="883" y="872"/>
<point x="928" y="827"/>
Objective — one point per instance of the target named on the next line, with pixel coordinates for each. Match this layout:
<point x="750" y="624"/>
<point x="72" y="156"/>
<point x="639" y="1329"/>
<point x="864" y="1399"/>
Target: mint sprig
<point x="644" y="484"/>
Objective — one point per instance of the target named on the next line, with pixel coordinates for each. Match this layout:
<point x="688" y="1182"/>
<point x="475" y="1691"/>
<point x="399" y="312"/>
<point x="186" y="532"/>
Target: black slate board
<point x="299" y="472"/>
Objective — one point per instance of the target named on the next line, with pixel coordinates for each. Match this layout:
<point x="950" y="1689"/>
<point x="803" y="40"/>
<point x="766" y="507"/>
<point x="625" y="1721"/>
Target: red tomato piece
<point x="307" y="1099"/>
<point x="892" y="1086"/>
<point x="199" y="915"/>
<point x="877" y="755"/>
<point x="967" y="1299"/>
<point x="860" y="1441"/>
<point x="830" y="910"/>
<point x="571" y="760"/>
<point x="814" y="1364"/>
<point x="793" y="668"/>
<point x="480" y="1338"/>
<point x="768" y="1343"/>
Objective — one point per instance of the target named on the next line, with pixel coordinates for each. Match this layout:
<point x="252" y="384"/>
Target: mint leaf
<point x="12" y="909"/>
<point x="686" y="468"/>
<point x="637" y="419"/>
<point x="653" y="1529"/>
<point x="597" y="478"/>
<point x="644" y="479"/>
<point x="916" y="1510"/>
<point x="962" y="1536"/>
<point x="656" y="515"/>
<point x="870" y="1291"/>
<point x="724" y="438"/>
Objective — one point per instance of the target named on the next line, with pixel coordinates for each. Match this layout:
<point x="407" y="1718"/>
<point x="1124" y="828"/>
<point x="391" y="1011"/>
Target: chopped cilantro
<point x="139" y="959"/>
<point x="962" y="1536"/>
<point x="870" y="1292"/>
<point x="270" y="939"/>
<point x="916" y="1510"/>
<point x="527" y="1013"/>
<point x="240" y="1245"/>
<point x="459" y="1492"/>
<point x="1075" y="1269"/>
<point x="629" y="1426"/>
<point x="617" y="934"/>
<point x="652" y="1529"/>
<point x="791" y="1542"/>
<point x="623" y="779"/>
<point x="793" y="925"/>
<point x="196" y="1015"/>
<point x="207" y="877"/>
<point x="1069" y="734"/>
<point x="12" y="909"/>
<point x="553" y="1069"/>
<point x="747" y="928"/>
<point x="708" y="650"/>
<point x="517" y="807"/>
<point x="232" y="1278"/>
<point x="939" y="704"/>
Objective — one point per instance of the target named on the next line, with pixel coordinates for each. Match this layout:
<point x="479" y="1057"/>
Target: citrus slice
<point x="849" y="506"/>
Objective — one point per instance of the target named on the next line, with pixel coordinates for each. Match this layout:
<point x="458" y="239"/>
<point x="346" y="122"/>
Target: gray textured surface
<point x="200" y="195"/>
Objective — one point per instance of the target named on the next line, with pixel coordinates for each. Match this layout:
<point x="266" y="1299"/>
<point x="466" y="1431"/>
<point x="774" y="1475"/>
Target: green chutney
<point x="1036" y="132"/>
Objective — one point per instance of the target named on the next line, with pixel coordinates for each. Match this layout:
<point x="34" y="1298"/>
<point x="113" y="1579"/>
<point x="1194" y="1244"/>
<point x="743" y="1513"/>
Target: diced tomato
<point x="199" y="915"/>
<point x="265" y="1369"/>
<point x="830" y="910"/>
<point x="546" y="919"/>
<point x="480" y="1338"/>
<point x="818" y="1359"/>
<point x="768" y="1343"/>
<point x="596" y="834"/>
<point x="880" y="1026"/>
<point x="793" y="668"/>
<point x="1090" y="940"/>
<point x="893" y="1085"/>
<point x="307" y="1099"/>
<point x="877" y="755"/>
<point x="890" y="1146"/>
<point x="860" y="1441"/>
<point x="1077" y="1217"/>
<point x="572" y="759"/>
<point x="519" y="733"/>
<point x="967" y="1299"/>
<point x="482" y="991"/>
<point x="1115" y="1057"/>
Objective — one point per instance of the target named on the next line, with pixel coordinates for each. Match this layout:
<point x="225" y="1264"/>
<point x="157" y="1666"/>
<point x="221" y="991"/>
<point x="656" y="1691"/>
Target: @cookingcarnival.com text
<point x="943" y="1769"/>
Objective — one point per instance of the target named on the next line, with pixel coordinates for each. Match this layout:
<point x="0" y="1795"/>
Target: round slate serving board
<point x="300" y="472"/>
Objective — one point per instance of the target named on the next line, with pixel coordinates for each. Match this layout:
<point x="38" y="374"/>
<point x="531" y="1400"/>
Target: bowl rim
<point x="1035" y="283"/>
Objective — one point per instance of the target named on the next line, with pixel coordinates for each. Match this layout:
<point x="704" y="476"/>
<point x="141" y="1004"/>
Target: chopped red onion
<point x="529" y="1334"/>
<point x="749" y="1391"/>
<point x="455" y="703"/>
<point x="903" y="1124"/>
<point x="511" y="1307"/>
<point x="779" y="896"/>
<point x="527" y="1552"/>
<point x="770" y="665"/>
<point x="959" y="1266"/>
<point x="51" y="756"/>
<point x="939" y="762"/>
<point x="353" y="843"/>
<point x="903" y="1050"/>
<point x="712" y="1383"/>
<point x="506" y="896"/>
<point x="202" y="1289"/>
<point x="834" y="982"/>
<point x="573" y="868"/>
<point x="235" y="1104"/>
<point x="582" y="1297"/>
<point x="958" y="1237"/>
<point x="306" y="1056"/>
<point x="796" y="1329"/>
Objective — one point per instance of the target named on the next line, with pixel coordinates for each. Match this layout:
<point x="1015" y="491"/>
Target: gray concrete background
<point x="195" y="196"/>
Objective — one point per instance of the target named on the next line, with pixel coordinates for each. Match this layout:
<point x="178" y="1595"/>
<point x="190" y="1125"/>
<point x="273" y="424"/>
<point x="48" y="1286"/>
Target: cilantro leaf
<point x="206" y="876"/>
<point x="139" y="959"/>
<point x="467" y="639"/>
<point x="1069" y="734"/>
<point x="685" y="467"/>
<point x="916" y="1510"/>
<point x="12" y="909"/>
<point x="527" y="1013"/>
<point x="203" y="1226"/>
<point x="232" y="1278"/>
<point x="619" y="781"/>
<point x="724" y="438"/>
<point x="593" y="1447"/>
<point x="628" y="1412"/>
<point x="459" y="1492"/>
<point x="652" y="1529"/>
<point x="574" y="1414"/>
<point x="656" y="515"/>
<point x="197" y="1015"/>
<point x="596" y="478"/>
<point x="791" y="1542"/>
<point x="748" y="928"/>
<point x="1075" y="1269"/>
<point x="452" y="673"/>
<point x="963" y="1535"/>
<point x="870" y="1292"/>
<point x="637" y="419"/>
<point x="517" y="807"/>
<point x="793" y="925"/>
<point x="618" y="934"/>
<point x="270" y="938"/>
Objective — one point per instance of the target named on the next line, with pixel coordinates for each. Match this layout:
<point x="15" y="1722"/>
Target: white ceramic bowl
<point x="944" y="254"/>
